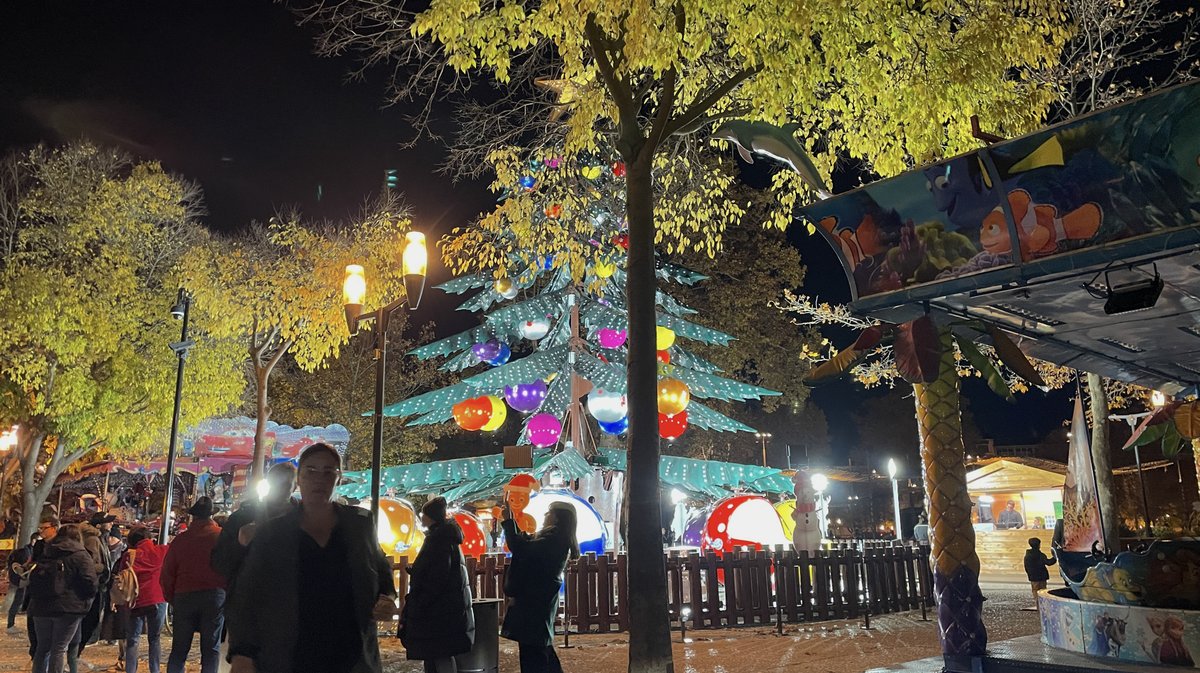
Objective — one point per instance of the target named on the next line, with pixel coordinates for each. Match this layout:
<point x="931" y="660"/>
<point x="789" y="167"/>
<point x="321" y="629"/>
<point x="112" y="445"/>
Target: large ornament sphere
<point x="671" y="428"/>
<point x="526" y="397"/>
<point x="589" y="526"/>
<point x="673" y="396"/>
<point x="502" y="356"/>
<point x="506" y="288"/>
<point x="474" y="542"/>
<point x="534" y="329"/>
<point x="610" y="338"/>
<point x="607" y="406"/>
<point x="499" y="414"/>
<point x="399" y="529"/>
<point x="743" y="521"/>
<point x="544" y="430"/>
<point x="486" y="351"/>
<point x="616" y="427"/>
<point x="785" y="509"/>
<point x="664" y="338"/>
<point x="473" y="414"/>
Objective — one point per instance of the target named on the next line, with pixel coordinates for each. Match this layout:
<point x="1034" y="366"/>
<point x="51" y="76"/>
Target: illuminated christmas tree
<point x="553" y="287"/>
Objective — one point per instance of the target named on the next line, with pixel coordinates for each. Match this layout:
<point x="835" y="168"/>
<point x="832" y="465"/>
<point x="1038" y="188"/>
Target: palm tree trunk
<point x="955" y="563"/>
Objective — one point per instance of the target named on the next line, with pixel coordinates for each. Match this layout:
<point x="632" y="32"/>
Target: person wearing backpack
<point x="61" y="588"/>
<point x="147" y="608"/>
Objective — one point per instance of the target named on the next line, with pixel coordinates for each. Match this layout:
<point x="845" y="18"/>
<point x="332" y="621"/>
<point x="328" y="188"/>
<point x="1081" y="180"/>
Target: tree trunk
<point x="262" y="379"/>
<point x="649" y="622"/>
<point x="955" y="563"/>
<point x="33" y="496"/>
<point x="1102" y="463"/>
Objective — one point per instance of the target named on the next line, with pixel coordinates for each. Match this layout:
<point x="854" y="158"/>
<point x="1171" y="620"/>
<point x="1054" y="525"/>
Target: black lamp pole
<point x="181" y="311"/>
<point x="414" y="288"/>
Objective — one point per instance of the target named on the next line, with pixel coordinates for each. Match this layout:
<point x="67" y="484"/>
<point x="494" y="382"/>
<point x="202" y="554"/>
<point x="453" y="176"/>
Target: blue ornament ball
<point x="616" y="427"/>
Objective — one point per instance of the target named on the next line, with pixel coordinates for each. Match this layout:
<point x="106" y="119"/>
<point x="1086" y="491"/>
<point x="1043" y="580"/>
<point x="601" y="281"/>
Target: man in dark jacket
<point x="233" y="543"/>
<point x="195" y="591"/>
<point x="437" y="623"/>
<point x="16" y="582"/>
<point x="1035" y="566"/>
<point x="61" y="589"/>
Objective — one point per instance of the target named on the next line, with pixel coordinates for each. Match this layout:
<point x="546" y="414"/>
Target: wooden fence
<point x="744" y="587"/>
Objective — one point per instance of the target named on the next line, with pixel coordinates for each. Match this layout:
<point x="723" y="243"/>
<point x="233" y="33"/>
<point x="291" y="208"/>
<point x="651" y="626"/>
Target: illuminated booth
<point x="1034" y="487"/>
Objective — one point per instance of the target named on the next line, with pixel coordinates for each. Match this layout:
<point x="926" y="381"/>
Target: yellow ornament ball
<point x="499" y="414"/>
<point x="673" y="396"/>
<point x="399" y="529"/>
<point x="785" y="509"/>
<point x="664" y="338"/>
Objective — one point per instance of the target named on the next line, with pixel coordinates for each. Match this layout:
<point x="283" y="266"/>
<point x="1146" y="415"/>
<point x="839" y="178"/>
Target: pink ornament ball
<point x="544" y="430"/>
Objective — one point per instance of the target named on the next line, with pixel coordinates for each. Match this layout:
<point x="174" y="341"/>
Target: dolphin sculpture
<point x="775" y="142"/>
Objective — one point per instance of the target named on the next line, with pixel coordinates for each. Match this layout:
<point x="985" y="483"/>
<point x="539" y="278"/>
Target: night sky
<point x="228" y="93"/>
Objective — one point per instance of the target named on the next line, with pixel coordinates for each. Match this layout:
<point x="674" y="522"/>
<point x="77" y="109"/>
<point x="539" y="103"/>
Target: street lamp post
<point x="415" y="262"/>
<point x="895" y="494"/>
<point x="763" y="436"/>
<point x="181" y="311"/>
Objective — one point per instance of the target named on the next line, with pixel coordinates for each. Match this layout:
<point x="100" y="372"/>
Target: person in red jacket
<point x="195" y="591"/>
<point x="149" y="611"/>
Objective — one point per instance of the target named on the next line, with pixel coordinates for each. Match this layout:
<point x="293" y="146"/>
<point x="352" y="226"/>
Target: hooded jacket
<point x="532" y="583"/>
<point x="147" y="565"/>
<point x="438" y="621"/>
<point x="79" y="580"/>
<point x="1035" y="565"/>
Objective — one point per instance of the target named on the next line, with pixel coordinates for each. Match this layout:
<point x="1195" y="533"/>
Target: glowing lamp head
<point x="1157" y="399"/>
<point x="415" y="258"/>
<point x="263" y="489"/>
<point x="677" y="496"/>
<point x="891" y="468"/>
<point x="820" y="482"/>
<point x="415" y="262"/>
<point x="354" y="287"/>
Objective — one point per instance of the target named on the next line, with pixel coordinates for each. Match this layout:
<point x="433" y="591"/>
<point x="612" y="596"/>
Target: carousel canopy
<point x="1081" y="239"/>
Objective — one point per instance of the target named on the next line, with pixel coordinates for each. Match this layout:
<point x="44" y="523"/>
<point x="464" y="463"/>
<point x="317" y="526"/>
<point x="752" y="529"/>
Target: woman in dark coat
<point x="437" y="622"/>
<point x="60" y="592"/>
<point x="314" y="584"/>
<point x="532" y="584"/>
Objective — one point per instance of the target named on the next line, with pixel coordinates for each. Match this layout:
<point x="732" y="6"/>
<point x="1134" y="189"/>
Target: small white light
<point x="677" y="496"/>
<point x="1158" y="399"/>
<point x="820" y="482"/>
<point x="262" y="488"/>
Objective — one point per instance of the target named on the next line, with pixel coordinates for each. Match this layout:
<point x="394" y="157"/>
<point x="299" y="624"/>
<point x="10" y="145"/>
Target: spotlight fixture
<point x="1135" y="295"/>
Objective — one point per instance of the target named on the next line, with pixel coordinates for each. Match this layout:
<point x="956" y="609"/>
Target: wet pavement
<point x="824" y="647"/>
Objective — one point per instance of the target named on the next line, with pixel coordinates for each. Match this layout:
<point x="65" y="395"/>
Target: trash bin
<point x="484" y="656"/>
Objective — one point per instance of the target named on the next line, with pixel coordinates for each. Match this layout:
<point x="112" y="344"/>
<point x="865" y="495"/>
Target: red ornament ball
<point x="474" y="413"/>
<point x="671" y="428"/>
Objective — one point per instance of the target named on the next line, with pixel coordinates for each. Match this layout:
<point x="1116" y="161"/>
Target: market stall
<point x="1014" y="499"/>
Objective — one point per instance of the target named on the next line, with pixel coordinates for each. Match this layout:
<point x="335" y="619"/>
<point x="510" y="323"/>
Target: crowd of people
<point x="289" y="586"/>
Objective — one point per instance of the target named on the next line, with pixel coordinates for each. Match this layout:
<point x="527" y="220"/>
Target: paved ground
<point x="828" y="647"/>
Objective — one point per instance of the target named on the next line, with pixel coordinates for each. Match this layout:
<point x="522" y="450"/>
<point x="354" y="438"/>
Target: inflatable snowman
<point x="806" y="536"/>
